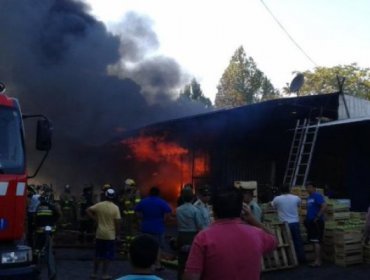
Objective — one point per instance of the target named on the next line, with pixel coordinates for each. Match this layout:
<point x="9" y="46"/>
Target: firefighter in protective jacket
<point x="130" y="197"/>
<point x="46" y="215"/>
<point x="68" y="207"/>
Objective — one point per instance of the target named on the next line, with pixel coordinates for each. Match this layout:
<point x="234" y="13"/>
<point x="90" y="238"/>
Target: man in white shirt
<point x="202" y="205"/>
<point x="287" y="206"/>
<point x="33" y="203"/>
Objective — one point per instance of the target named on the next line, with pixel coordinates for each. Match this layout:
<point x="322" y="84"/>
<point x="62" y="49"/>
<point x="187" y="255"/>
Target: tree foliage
<point x="243" y="83"/>
<point x="193" y="92"/>
<point x="324" y="80"/>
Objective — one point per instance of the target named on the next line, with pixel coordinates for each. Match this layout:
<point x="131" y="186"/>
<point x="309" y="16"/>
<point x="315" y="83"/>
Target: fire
<point x="160" y="163"/>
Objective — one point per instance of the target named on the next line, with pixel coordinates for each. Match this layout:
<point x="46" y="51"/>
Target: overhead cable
<point x="287" y="33"/>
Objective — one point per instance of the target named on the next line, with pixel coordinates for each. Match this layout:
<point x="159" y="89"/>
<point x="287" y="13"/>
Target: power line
<point x="287" y="33"/>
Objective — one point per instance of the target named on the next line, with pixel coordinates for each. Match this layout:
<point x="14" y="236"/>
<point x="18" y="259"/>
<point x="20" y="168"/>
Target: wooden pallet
<point x="342" y="237"/>
<point x="309" y="251"/>
<point x="335" y="216"/>
<point x="342" y="249"/>
<point x="349" y="259"/>
<point x="366" y="252"/>
<point x="358" y="215"/>
<point x="284" y="256"/>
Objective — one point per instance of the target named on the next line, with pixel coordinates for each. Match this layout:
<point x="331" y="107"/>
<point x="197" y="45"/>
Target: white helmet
<point x="110" y="193"/>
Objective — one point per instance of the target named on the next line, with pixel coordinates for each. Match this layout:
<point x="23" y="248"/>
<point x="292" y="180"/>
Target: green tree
<point x="324" y="80"/>
<point x="193" y="92"/>
<point x="243" y="83"/>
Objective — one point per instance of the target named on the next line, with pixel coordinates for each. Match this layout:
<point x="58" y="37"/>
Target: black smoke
<point x="58" y="60"/>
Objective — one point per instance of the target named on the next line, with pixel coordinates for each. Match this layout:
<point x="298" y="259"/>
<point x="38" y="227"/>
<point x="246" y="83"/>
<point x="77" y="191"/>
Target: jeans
<point x="297" y="240"/>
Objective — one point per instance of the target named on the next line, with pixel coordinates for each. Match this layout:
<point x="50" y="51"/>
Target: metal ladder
<point x="301" y="151"/>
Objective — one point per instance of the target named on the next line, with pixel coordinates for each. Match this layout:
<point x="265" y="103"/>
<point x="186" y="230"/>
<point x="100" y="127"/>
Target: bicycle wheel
<point x="52" y="272"/>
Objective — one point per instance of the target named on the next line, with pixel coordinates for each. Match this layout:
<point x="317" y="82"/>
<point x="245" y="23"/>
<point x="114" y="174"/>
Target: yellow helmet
<point x="130" y="182"/>
<point x="106" y="186"/>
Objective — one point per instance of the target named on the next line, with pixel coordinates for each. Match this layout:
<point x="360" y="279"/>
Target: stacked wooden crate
<point x="343" y="233"/>
<point x="309" y="251"/>
<point x="284" y="256"/>
<point x="338" y="209"/>
<point x="366" y="251"/>
<point x="328" y="241"/>
<point x="348" y="247"/>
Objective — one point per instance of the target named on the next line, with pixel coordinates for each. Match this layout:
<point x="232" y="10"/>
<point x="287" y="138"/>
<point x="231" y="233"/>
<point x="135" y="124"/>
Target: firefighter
<point x="46" y="215"/>
<point x="86" y="226"/>
<point x="130" y="197"/>
<point x="68" y="207"/>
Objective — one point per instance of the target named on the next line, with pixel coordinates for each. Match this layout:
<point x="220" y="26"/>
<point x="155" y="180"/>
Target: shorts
<point x="315" y="230"/>
<point x="105" y="249"/>
<point x="159" y="237"/>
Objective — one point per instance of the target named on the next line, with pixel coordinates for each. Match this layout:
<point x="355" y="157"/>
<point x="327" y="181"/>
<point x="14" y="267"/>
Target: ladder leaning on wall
<point x="301" y="151"/>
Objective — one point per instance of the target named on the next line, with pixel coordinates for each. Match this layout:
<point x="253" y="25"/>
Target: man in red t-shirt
<point x="229" y="248"/>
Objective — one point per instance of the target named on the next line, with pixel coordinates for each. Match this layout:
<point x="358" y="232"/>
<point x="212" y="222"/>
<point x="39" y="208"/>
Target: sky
<point x="203" y="35"/>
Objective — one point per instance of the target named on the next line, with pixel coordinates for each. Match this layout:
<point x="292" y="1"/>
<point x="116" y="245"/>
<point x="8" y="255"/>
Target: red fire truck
<point x="16" y="259"/>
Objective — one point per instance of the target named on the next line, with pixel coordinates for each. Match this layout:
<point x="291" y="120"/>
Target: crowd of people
<point x="224" y="241"/>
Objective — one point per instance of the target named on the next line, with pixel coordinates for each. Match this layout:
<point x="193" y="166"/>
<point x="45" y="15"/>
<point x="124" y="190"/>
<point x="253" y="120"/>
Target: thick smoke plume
<point x="58" y="60"/>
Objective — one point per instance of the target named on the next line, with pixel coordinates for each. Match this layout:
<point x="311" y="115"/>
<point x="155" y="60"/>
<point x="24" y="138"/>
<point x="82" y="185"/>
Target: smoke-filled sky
<point x="59" y="60"/>
<point x="203" y="35"/>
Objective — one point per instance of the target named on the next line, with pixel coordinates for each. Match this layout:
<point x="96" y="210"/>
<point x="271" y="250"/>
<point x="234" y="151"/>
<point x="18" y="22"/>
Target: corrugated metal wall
<point x="357" y="107"/>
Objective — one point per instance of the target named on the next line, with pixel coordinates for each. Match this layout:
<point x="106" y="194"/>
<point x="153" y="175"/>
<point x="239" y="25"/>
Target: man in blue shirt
<point x="153" y="211"/>
<point x="189" y="222"/>
<point x="314" y="222"/>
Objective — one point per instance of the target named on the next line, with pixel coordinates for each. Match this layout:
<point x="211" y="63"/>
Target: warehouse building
<point x="253" y="142"/>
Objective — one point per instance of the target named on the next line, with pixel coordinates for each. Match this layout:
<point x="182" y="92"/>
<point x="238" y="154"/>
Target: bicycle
<point x="46" y="255"/>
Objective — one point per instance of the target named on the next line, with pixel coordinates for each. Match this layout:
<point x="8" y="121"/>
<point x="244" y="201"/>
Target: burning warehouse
<point x="254" y="143"/>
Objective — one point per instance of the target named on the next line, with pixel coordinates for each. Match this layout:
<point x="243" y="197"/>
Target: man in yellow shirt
<point x="107" y="216"/>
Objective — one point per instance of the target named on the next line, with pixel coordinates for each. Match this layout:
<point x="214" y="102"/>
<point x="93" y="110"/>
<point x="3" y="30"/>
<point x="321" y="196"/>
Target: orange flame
<point x="174" y="165"/>
<point x="171" y="161"/>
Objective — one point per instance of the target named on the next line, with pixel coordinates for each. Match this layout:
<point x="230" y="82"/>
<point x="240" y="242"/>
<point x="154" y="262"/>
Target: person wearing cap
<point x="107" y="216"/>
<point x="103" y="190"/>
<point x="203" y="207"/>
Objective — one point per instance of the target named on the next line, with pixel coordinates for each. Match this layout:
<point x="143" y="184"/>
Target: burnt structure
<point x="253" y="143"/>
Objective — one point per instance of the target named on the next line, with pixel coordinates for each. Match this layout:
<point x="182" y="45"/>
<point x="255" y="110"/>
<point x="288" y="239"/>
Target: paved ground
<point x="76" y="264"/>
<point x="326" y="272"/>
